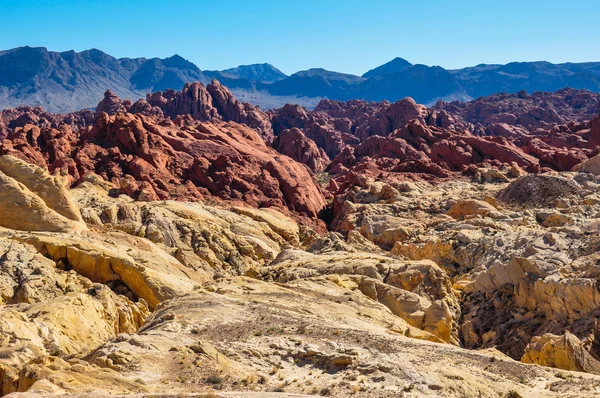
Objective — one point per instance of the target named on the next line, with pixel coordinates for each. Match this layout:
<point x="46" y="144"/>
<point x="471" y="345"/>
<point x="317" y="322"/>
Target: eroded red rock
<point x="203" y="144"/>
<point x="225" y="160"/>
<point x="539" y="109"/>
<point x="296" y="145"/>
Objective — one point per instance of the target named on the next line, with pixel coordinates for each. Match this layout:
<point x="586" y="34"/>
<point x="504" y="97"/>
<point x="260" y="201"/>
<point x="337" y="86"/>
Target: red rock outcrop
<point x="530" y="131"/>
<point x="391" y="118"/>
<point x="202" y="143"/>
<point x="297" y="146"/>
<point x="110" y="104"/>
<point x="42" y="146"/>
<point x="594" y="137"/>
<point x="231" y="109"/>
<point x="366" y="119"/>
<point x="3" y="129"/>
<point x="335" y="124"/>
<point x="539" y="109"/>
<point x="317" y="126"/>
<point x="418" y="148"/>
<point x="201" y="160"/>
<point x="213" y="102"/>
<point x="19" y="117"/>
<point x="557" y="158"/>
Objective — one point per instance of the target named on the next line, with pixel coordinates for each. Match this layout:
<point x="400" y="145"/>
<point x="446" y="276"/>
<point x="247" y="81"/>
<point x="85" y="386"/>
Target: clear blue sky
<point x="347" y="36"/>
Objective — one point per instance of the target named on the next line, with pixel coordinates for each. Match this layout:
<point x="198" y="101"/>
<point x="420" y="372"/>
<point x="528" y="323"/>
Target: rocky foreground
<point x="191" y="244"/>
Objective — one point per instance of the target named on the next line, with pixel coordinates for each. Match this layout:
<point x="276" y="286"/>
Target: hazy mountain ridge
<point x="69" y="81"/>
<point x="264" y="73"/>
<point x="396" y="65"/>
<point x="483" y="80"/>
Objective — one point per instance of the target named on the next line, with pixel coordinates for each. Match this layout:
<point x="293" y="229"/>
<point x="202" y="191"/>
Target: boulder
<point x="50" y="189"/>
<point x="563" y="352"/>
<point x="23" y="209"/>
<point x="296" y="145"/>
<point x="591" y="165"/>
<point x="468" y="208"/>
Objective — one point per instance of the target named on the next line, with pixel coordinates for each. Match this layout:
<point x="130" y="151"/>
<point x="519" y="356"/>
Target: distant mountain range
<point x="68" y="81"/>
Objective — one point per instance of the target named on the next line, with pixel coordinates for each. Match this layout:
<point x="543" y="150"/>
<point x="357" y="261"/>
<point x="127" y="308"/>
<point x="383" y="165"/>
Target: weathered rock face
<point x="550" y="132"/>
<point x="227" y="160"/>
<point x="162" y="288"/>
<point x="213" y="102"/>
<point x="208" y="240"/>
<point x="32" y="200"/>
<point x="233" y="110"/>
<point x="111" y="287"/>
<point x="594" y="137"/>
<point x="470" y="208"/>
<point x="50" y="189"/>
<point x="63" y="294"/>
<point x="296" y="145"/>
<point x="537" y="109"/>
<point x="562" y="352"/>
<point x="418" y="292"/>
<point x="46" y="311"/>
<point x="110" y="104"/>
<point x="398" y="141"/>
<point x="14" y="118"/>
<point x="426" y="150"/>
<point x="520" y="253"/>
<point x="591" y="165"/>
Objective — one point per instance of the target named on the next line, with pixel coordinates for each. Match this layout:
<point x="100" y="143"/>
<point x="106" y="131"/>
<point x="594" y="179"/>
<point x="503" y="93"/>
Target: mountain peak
<point x="177" y="61"/>
<point x="394" y="66"/>
<point x="265" y="73"/>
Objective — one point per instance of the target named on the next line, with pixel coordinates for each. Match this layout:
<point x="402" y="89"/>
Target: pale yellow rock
<point x="591" y="165"/>
<point x="47" y="311"/>
<point x="563" y="352"/>
<point x="383" y="191"/>
<point x="558" y="297"/>
<point x="295" y="330"/>
<point x="438" y="320"/>
<point x="387" y="230"/>
<point x="470" y="208"/>
<point x="516" y="171"/>
<point x="48" y="188"/>
<point x="215" y="240"/>
<point x="407" y="288"/>
<point x="145" y="270"/>
<point x="557" y="220"/>
<point x="337" y="315"/>
<point x="434" y="250"/>
<point x="491" y="175"/>
<point x="281" y="224"/>
<point x="23" y="210"/>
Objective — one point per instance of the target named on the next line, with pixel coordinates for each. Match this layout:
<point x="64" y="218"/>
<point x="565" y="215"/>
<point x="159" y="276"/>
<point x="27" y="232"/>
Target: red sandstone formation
<point x="213" y="102"/>
<point x="536" y="110"/>
<point x="110" y="104"/>
<point x="195" y="161"/>
<point x="13" y="118"/>
<point x="202" y="143"/>
<point x="594" y="134"/>
<point x="297" y="146"/>
<point x="331" y="137"/>
<point x="404" y="137"/>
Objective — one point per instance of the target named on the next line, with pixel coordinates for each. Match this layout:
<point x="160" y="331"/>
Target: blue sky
<point x="347" y="36"/>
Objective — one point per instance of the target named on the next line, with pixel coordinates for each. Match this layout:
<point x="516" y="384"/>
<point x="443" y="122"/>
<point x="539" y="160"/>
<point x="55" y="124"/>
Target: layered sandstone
<point x="195" y="160"/>
<point x="179" y="244"/>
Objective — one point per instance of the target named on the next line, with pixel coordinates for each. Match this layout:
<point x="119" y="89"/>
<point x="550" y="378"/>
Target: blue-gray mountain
<point x="68" y="81"/>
